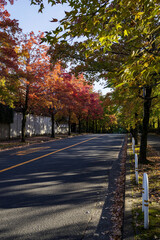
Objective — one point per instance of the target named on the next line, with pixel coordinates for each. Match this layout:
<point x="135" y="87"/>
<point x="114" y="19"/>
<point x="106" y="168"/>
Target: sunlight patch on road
<point x="45" y="155"/>
<point x="30" y="150"/>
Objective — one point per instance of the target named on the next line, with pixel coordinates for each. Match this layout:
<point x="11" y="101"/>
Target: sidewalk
<point x="128" y="230"/>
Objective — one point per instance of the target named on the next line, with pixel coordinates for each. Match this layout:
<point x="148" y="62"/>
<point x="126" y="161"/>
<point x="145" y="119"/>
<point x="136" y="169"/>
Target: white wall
<point x="35" y="125"/>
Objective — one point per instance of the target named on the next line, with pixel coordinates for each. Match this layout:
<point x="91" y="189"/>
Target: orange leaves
<point x="68" y="93"/>
<point x="28" y="68"/>
<point x="8" y="55"/>
<point x="34" y="65"/>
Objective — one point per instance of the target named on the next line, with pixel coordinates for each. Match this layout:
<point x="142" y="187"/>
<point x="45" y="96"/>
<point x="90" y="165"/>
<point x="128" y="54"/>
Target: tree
<point x="110" y="116"/>
<point x="34" y="65"/>
<point x="8" y="57"/>
<point x="51" y="91"/>
<point x="155" y="113"/>
<point x="74" y="97"/>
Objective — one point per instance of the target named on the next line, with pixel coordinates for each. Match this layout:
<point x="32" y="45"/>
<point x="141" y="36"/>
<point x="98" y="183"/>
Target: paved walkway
<point x="154" y="141"/>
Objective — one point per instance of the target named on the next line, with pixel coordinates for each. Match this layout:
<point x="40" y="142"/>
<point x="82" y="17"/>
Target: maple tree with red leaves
<point x="80" y="101"/>
<point x="96" y="110"/>
<point x="69" y="97"/>
<point x="51" y="90"/>
<point x="8" y="56"/>
<point x="34" y="64"/>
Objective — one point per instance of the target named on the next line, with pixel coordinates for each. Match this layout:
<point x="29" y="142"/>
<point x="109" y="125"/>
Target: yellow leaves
<point x="96" y="20"/>
<point x="17" y="49"/>
<point x="25" y="53"/>
<point x="102" y="39"/>
<point x="139" y="15"/>
<point x="2" y="82"/>
<point x="125" y="33"/>
<point x="6" y="94"/>
<point x="86" y="30"/>
<point x="146" y="64"/>
<point x="118" y="26"/>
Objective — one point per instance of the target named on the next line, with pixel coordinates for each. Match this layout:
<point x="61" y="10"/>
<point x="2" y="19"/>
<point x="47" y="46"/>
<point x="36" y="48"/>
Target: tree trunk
<point x="93" y="127"/>
<point x="53" y="128"/>
<point x="24" y="112"/>
<point x="79" y="125"/>
<point x="96" y="126"/>
<point x="158" y="125"/>
<point x="23" y="126"/>
<point x="135" y="130"/>
<point x="87" y="125"/>
<point x="147" y="105"/>
<point x="69" y="123"/>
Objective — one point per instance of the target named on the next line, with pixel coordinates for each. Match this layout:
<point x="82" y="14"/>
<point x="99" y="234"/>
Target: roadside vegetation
<point x="152" y="168"/>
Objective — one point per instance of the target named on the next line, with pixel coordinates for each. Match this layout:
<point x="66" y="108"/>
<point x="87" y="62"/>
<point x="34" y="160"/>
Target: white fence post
<point x="133" y="145"/>
<point x="136" y="168"/>
<point x="145" y="202"/>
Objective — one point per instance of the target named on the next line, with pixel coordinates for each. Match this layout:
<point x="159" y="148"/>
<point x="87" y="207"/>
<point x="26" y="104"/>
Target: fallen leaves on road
<point x="117" y="208"/>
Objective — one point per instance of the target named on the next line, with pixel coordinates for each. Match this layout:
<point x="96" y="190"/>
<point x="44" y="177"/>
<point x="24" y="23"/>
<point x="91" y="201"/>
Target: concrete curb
<point x="128" y="230"/>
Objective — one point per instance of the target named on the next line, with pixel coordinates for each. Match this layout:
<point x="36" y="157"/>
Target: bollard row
<point x="145" y="189"/>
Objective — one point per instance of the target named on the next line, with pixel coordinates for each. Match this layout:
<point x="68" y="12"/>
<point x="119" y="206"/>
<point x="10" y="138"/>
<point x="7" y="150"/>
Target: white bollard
<point x="133" y="145"/>
<point x="145" y="200"/>
<point x="143" y="194"/>
<point x="136" y="168"/>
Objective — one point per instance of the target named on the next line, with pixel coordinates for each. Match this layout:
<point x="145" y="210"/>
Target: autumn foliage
<point x="8" y="56"/>
<point x="31" y="84"/>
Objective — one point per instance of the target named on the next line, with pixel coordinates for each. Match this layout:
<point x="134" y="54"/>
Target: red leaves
<point x="71" y="94"/>
<point x="8" y="56"/>
<point x="34" y="64"/>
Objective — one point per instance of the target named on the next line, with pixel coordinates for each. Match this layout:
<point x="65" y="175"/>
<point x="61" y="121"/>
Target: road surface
<point x="57" y="190"/>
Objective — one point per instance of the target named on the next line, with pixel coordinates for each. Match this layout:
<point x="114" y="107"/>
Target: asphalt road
<point x="58" y="190"/>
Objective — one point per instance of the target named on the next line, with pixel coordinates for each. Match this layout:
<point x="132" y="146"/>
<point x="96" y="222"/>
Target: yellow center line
<point x="46" y="155"/>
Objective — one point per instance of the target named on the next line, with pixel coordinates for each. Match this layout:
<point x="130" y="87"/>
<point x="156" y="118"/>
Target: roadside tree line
<point x="121" y="43"/>
<point x="30" y="83"/>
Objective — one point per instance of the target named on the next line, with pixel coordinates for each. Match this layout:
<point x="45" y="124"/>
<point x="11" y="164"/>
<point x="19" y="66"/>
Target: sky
<point x="31" y="20"/>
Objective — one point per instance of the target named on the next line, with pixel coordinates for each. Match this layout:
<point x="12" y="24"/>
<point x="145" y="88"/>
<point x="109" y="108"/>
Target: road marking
<point x="46" y="155"/>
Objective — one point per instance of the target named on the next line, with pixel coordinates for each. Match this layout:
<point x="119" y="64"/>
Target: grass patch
<point x="153" y="171"/>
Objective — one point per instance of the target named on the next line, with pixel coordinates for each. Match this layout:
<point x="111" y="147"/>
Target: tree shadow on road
<point x="59" y="187"/>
